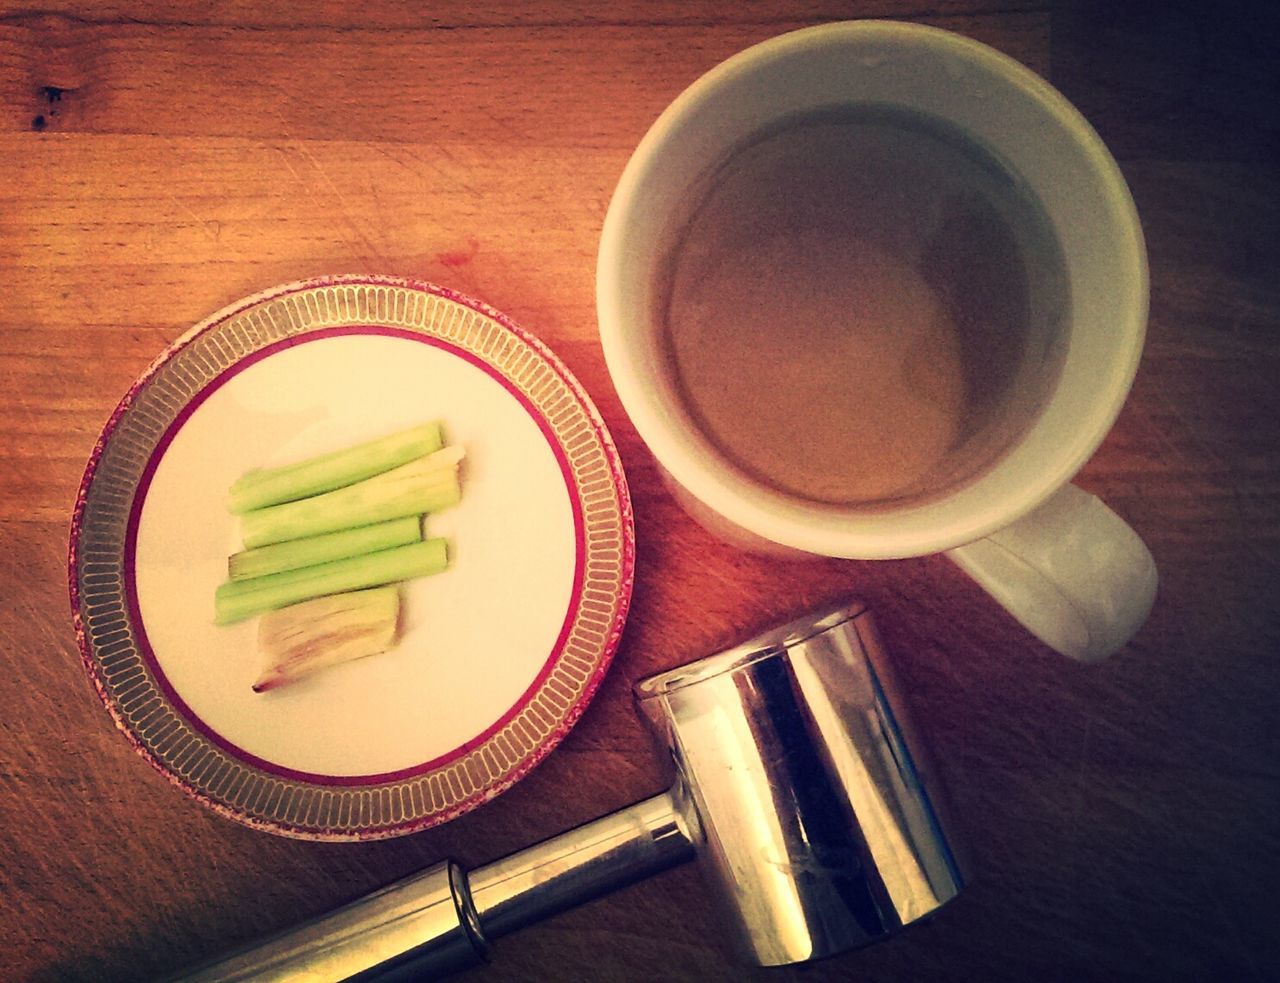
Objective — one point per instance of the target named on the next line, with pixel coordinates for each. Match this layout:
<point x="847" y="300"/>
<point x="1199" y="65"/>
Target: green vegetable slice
<point x="427" y="484"/>
<point x="295" y="553"/>
<point x="240" y="599"/>
<point x="271" y="486"/>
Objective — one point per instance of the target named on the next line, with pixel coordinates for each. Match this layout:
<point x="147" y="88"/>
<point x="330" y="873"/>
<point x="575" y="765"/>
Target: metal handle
<point x="441" y="920"/>
<point x="798" y="783"/>
<point x="581" y="865"/>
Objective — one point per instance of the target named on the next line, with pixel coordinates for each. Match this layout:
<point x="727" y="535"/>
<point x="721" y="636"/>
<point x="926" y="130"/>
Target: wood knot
<point x="49" y="99"/>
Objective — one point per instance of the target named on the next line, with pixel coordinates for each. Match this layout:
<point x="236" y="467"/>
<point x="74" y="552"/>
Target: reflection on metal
<point x="817" y="824"/>
<point x="799" y="788"/>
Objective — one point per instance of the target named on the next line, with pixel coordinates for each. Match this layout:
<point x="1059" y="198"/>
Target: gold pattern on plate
<point x="298" y="807"/>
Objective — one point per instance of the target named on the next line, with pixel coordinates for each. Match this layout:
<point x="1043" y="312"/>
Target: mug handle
<point x="1071" y="571"/>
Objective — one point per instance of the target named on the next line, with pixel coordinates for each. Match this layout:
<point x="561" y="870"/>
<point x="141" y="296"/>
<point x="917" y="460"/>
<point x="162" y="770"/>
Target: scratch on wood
<point x="344" y="206"/>
<point x="211" y="227"/>
<point x="1081" y="789"/>
<point x="1236" y="493"/>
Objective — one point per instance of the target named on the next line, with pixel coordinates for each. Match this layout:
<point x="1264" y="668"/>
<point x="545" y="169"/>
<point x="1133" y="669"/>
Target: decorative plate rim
<point x="528" y="761"/>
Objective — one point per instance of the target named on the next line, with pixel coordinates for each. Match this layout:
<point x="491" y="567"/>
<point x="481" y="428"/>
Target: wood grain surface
<point x="160" y="160"/>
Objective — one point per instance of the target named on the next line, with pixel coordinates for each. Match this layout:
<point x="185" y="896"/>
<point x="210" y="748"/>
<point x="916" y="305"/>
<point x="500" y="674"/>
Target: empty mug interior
<point x="1034" y="134"/>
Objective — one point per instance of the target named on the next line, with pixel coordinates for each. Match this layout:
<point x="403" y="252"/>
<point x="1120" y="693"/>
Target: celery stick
<point x="271" y="486"/>
<point x="426" y="485"/>
<point x="308" y="552"/>
<point x="240" y="599"/>
<point x="325" y="631"/>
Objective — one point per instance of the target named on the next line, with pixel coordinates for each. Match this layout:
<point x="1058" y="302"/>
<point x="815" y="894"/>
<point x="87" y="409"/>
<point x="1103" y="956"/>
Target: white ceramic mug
<point x="1056" y="557"/>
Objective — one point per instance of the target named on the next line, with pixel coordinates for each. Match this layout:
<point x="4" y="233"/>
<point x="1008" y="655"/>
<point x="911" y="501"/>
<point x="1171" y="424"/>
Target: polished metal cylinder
<point x="434" y="923"/>
<point x="807" y="796"/>
<point x="799" y="786"/>
<point x="423" y="920"/>
<point x="579" y="866"/>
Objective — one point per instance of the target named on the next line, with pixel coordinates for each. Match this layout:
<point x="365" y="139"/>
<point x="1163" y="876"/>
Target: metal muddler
<point x="799" y="788"/>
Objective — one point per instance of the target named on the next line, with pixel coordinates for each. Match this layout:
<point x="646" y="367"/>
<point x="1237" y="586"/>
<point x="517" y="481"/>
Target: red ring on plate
<point x="528" y="761"/>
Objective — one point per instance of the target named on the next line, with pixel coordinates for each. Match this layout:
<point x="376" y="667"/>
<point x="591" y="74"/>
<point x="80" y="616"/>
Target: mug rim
<point x="857" y="531"/>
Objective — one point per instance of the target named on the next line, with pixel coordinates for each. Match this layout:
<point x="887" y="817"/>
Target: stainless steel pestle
<point x="799" y="787"/>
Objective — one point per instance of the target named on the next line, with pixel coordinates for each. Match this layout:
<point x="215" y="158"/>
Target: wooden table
<point x="159" y="161"/>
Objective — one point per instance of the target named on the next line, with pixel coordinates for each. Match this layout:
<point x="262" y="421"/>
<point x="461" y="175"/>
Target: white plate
<point x="498" y="655"/>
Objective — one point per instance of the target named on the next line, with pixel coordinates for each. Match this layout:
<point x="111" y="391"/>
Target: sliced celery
<point x="271" y="486"/>
<point x="307" y="552"/>
<point x="428" y="484"/>
<point x="325" y="631"/>
<point x="240" y="599"/>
